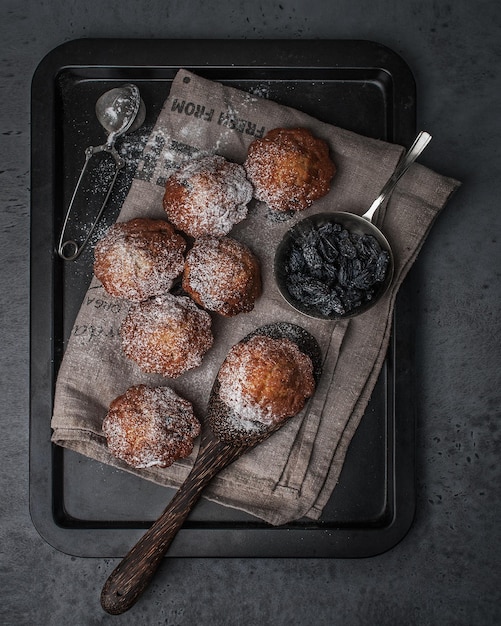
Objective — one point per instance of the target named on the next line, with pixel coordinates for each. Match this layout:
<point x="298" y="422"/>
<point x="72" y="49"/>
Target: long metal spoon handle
<point x="420" y="143"/>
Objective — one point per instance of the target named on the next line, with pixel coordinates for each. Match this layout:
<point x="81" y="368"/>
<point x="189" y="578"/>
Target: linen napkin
<point x="293" y="473"/>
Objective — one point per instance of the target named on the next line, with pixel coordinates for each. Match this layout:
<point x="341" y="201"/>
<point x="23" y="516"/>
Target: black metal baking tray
<point x="84" y="508"/>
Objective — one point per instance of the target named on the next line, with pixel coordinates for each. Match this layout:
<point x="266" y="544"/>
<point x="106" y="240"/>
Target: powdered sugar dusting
<point x="260" y="90"/>
<point x="150" y="426"/>
<point x="222" y="275"/>
<point x="166" y="335"/>
<point x="289" y="168"/>
<point x="266" y="380"/>
<point x="139" y="258"/>
<point x="207" y="196"/>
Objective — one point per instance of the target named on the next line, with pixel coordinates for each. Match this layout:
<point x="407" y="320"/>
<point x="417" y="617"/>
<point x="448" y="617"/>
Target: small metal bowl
<point x="352" y="223"/>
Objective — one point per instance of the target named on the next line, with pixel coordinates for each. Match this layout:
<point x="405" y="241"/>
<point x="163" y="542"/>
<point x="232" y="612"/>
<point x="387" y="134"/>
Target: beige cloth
<point x="293" y="473"/>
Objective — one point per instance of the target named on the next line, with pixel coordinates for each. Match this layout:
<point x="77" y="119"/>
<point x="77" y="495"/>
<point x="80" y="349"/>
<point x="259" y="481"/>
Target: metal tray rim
<point x="279" y="542"/>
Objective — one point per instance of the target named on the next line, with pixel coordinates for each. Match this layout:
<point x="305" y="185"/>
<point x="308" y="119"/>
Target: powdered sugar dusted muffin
<point x="207" y="196"/>
<point x="150" y="426"/>
<point x="289" y="168"/>
<point x="266" y="380"/>
<point x="139" y="258"/>
<point x="166" y="334"/>
<point x="222" y="274"/>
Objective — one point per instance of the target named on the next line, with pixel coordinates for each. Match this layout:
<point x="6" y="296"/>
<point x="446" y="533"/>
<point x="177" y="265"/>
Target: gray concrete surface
<point x="447" y="569"/>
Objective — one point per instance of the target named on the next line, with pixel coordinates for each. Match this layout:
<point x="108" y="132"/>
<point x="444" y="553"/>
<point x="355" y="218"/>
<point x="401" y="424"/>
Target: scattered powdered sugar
<point x="150" y="426"/>
<point x="131" y="147"/>
<point x="166" y="335"/>
<point x="261" y="90"/>
<point x="230" y="427"/>
<point x="207" y="196"/>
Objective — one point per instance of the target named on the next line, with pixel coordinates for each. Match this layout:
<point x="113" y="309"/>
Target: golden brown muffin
<point x="207" y="196"/>
<point x="139" y="258"/>
<point x="289" y="168"/>
<point x="266" y="380"/>
<point x="166" y="335"/>
<point x="150" y="426"/>
<point x="222" y="275"/>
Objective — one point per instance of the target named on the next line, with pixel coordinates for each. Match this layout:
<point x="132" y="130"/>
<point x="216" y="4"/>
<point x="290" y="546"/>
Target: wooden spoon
<point x="136" y="570"/>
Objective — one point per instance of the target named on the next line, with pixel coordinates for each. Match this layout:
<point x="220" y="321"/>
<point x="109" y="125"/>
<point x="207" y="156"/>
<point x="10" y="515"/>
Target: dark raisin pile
<point x="333" y="271"/>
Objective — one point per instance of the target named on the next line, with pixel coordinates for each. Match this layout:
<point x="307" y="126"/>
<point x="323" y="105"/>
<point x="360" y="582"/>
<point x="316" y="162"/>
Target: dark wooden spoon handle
<point x="134" y="573"/>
